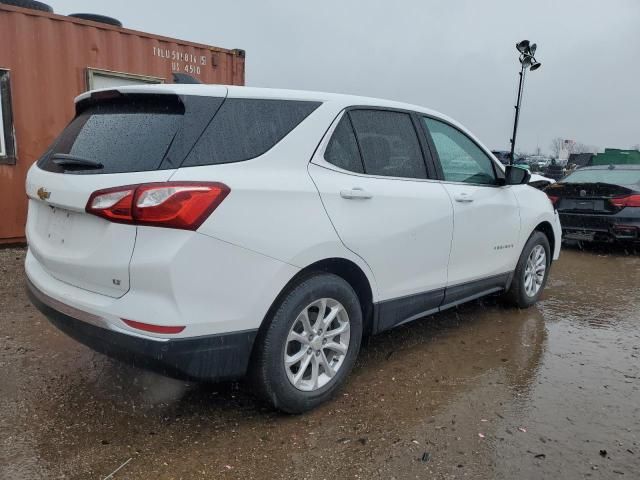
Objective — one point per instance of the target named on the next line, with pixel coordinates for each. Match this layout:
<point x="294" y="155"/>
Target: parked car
<point x="539" y="161"/>
<point x="522" y="163"/>
<point x="208" y="232"/>
<point x="540" y="181"/>
<point x="555" y="171"/>
<point x="503" y="156"/>
<point x="600" y="203"/>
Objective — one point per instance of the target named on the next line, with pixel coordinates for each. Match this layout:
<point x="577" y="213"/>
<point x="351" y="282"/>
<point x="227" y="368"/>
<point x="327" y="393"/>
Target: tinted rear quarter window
<point x="247" y="128"/>
<point x="389" y="143"/>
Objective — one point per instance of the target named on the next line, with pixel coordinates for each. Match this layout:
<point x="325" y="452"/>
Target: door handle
<point x="355" y="193"/>
<point x="463" y="197"/>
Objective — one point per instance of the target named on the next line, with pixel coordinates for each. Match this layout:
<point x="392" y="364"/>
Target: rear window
<point x="616" y="177"/>
<point x="122" y="136"/>
<point x="138" y="133"/>
<point x="246" y="128"/>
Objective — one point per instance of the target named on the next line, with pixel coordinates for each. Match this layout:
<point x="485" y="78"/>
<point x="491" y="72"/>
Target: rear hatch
<point x="594" y="191"/>
<point x="587" y="197"/>
<point x="115" y="139"/>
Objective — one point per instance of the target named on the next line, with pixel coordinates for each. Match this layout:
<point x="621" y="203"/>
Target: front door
<point x="486" y="214"/>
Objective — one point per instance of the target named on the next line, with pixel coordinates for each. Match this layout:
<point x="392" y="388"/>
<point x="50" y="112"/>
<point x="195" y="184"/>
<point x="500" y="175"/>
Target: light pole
<point x="527" y="61"/>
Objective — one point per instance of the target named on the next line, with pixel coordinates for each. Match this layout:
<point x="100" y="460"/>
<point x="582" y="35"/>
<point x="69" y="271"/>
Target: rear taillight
<point x="626" y="201"/>
<point x="554" y="200"/>
<point x="184" y="205"/>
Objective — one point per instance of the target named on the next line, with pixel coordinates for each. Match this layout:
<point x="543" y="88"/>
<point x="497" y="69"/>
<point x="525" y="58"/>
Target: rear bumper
<point x="204" y="358"/>
<point x="623" y="226"/>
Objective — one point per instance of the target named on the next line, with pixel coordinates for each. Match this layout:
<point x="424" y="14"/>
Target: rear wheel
<point x="310" y="344"/>
<point x="531" y="272"/>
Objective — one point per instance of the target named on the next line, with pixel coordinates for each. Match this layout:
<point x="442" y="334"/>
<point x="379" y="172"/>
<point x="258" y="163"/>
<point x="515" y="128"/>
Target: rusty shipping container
<point x="46" y="60"/>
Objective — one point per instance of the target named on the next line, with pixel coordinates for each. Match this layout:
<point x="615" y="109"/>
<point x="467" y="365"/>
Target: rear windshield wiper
<point x="64" y="160"/>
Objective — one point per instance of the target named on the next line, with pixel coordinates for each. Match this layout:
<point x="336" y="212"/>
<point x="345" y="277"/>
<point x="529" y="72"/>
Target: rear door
<point x="114" y="140"/>
<point x="486" y="215"/>
<point x="374" y="183"/>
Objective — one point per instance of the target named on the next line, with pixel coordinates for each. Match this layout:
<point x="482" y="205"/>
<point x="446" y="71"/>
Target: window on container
<point x="97" y="78"/>
<point x="7" y="134"/>
<point x="389" y="144"/>
<point x="246" y="128"/>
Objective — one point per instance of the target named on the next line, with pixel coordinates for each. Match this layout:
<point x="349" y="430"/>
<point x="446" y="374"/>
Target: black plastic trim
<point x="390" y="313"/>
<point x="204" y="358"/>
<point x="394" y="312"/>
<point x="353" y="131"/>
<point x="465" y="292"/>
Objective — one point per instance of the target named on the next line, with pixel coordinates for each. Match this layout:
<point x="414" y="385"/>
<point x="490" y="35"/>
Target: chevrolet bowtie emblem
<point x="43" y="193"/>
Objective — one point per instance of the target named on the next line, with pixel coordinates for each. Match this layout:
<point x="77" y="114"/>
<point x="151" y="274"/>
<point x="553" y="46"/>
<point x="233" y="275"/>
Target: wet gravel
<point x="483" y="391"/>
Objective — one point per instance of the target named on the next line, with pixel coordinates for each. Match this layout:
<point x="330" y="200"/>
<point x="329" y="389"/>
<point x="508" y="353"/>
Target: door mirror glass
<point x="515" y="175"/>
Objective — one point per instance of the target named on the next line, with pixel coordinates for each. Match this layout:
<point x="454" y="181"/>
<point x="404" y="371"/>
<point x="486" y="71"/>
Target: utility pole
<point x="527" y="62"/>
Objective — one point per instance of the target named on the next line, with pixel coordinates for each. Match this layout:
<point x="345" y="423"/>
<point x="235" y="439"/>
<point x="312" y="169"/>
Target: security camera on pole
<point x="527" y="61"/>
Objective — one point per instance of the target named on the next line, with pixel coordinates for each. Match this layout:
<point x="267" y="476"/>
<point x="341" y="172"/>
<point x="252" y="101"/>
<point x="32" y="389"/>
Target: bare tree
<point x="581" y="148"/>
<point x="556" y="146"/>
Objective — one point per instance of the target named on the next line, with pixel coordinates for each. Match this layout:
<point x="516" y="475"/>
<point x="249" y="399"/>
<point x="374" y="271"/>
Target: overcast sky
<point x="455" y="56"/>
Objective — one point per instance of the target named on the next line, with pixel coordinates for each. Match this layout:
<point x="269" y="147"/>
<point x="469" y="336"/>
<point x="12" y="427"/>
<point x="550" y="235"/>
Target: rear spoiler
<point x="89" y="99"/>
<point x="162" y="89"/>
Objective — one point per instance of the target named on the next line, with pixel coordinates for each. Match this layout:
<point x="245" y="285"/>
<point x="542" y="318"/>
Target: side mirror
<point x="516" y="176"/>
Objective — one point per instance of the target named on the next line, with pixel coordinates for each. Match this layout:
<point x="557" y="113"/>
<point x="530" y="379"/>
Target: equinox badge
<point x="43" y="193"/>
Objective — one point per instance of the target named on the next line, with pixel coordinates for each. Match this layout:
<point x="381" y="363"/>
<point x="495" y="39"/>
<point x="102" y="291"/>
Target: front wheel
<point x="531" y="272"/>
<point x="309" y="345"/>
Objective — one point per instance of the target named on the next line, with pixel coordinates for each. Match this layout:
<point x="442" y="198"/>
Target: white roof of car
<point x="337" y="100"/>
<point x="234" y="91"/>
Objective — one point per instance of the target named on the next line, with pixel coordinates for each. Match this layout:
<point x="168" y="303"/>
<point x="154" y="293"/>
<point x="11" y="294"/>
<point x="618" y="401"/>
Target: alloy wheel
<point x="535" y="270"/>
<point x="317" y="344"/>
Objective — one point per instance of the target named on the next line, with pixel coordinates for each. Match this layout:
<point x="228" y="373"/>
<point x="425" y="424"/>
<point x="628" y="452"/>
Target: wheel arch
<point x="343" y="268"/>
<point x="546" y="228"/>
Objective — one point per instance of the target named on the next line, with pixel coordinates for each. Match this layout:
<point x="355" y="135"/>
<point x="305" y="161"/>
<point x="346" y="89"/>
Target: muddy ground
<point x="483" y="391"/>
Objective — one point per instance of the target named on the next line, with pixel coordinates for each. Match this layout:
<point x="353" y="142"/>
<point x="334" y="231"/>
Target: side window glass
<point x="342" y="150"/>
<point x="461" y="159"/>
<point x="389" y="143"/>
<point x="245" y="128"/>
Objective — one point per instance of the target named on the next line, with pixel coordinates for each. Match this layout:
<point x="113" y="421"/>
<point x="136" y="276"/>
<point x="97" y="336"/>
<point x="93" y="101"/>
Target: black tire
<point x="517" y="295"/>
<point x="30" y="4"/>
<point x="268" y="373"/>
<point x="97" y="18"/>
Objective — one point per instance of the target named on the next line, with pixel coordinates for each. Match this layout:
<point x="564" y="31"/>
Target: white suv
<point x="210" y="232"/>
